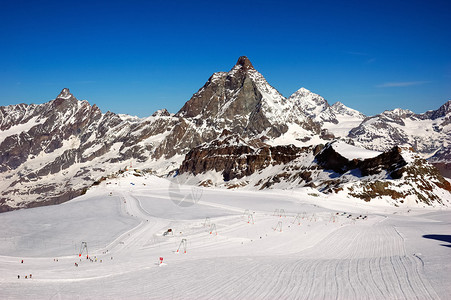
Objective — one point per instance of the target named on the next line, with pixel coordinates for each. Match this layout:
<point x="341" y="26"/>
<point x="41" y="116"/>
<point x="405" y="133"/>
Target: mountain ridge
<point x="52" y="152"/>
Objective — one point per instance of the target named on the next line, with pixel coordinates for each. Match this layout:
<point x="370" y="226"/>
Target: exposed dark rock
<point x="235" y="158"/>
<point x="390" y="161"/>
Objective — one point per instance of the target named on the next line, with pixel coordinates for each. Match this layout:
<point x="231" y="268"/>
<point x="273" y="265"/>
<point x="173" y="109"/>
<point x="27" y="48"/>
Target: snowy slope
<point x="346" y="119"/>
<point x="351" y="152"/>
<point x="276" y="245"/>
<point x="424" y="133"/>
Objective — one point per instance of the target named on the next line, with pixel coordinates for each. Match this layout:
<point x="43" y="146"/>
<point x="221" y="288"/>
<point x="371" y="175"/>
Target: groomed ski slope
<point x="255" y="252"/>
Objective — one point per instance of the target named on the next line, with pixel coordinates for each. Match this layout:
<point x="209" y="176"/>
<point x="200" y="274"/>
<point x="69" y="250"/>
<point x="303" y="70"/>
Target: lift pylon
<point x="83" y="248"/>
<point x="182" y="247"/>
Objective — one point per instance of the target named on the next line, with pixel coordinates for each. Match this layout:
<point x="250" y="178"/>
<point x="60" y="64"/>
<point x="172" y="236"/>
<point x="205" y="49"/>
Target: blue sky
<point x="136" y="57"/>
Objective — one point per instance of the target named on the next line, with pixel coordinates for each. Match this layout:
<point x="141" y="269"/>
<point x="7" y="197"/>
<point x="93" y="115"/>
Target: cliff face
<point x="236" y="158"/>
<point x="390" y="161"/>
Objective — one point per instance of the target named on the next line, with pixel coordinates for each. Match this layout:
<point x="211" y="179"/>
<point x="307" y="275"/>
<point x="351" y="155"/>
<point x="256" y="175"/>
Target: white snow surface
<point x="244" y="250"/>
<point x="351" y="152"/>
<point x="347" y="119"/>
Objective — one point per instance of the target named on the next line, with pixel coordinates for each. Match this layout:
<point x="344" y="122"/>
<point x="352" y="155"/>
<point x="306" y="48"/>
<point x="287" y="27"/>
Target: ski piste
<point x="326" y="246"/>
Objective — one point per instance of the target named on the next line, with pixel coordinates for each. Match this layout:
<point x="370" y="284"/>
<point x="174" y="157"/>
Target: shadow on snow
<point x="439" y="237"/>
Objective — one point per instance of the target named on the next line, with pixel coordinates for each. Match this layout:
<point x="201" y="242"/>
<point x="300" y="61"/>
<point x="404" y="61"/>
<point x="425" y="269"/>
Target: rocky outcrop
<point x="419" y="182"/>
<point x="390" y="161"/>
<point x="235" y="158"/>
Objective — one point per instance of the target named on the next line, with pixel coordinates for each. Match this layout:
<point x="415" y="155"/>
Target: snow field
<point x="327" y="256"/>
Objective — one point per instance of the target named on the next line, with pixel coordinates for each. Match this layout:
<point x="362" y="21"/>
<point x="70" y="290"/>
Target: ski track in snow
<point x="363" y="259"/>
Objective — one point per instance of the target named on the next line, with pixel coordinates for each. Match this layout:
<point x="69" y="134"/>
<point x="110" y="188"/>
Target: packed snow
<point x="351" y="152"/>
<point x="238" y="244"/>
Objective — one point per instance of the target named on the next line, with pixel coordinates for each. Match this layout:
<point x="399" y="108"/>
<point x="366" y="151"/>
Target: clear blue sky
<point x="136" y="57"/>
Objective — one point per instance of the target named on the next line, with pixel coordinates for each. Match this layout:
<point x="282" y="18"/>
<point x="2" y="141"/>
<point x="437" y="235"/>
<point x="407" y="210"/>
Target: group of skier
<point x="26" y="276"/>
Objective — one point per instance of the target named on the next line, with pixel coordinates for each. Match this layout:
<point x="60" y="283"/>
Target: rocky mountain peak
<point x="340" y="108"/>
<point x="312" y="105"/>
<point x="65" y="94"/>
<point x="245" y="63"/>
<point x="240" y="100"/>
<point x="308" y="98"/>
<point x="63" y="102"/>
<point x="302" y="92"/>
<point x="443" y="111"/>
<point x="161" y="113"/>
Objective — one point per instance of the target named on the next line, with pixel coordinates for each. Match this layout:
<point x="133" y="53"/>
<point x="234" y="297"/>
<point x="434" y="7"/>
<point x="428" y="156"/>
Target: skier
<point x="18" y="276"/>
<point x="22" y="261"/>
<point x="30" y="276"/>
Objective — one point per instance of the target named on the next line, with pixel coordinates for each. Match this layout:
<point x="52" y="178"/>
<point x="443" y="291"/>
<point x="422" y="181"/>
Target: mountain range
<point x="237" y="131"/>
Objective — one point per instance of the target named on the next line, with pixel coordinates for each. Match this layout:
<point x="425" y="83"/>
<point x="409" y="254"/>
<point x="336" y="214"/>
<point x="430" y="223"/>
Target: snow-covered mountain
<point x="338" y="119"/>
<point x="52" y="152"/>
<point x="313" y="105"/>
<point x="429" y="133"/>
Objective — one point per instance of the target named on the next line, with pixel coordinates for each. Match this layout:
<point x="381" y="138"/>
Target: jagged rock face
<point x="443" y="112"/>
<point x="236" y="158"/>
<point x="390" y="161"/>
<point x="398" y="174"/>
<point x="442" y="160"/>
<point x="161" y="113"/>
<point x="243" y="102"/>
<point x="225" y="95"/>
<point x="419" y="182"/>
<point x="42" y="128"/>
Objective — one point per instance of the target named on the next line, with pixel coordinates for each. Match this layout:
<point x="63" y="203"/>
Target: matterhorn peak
<point x="245" y="63"/>
<point x="65" y="94"/>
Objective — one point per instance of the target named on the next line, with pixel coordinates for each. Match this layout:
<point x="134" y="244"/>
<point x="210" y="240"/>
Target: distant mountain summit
<point x="236" y="124"/>
<point x="243" y="102"/>
<point x="65" y="94"/>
